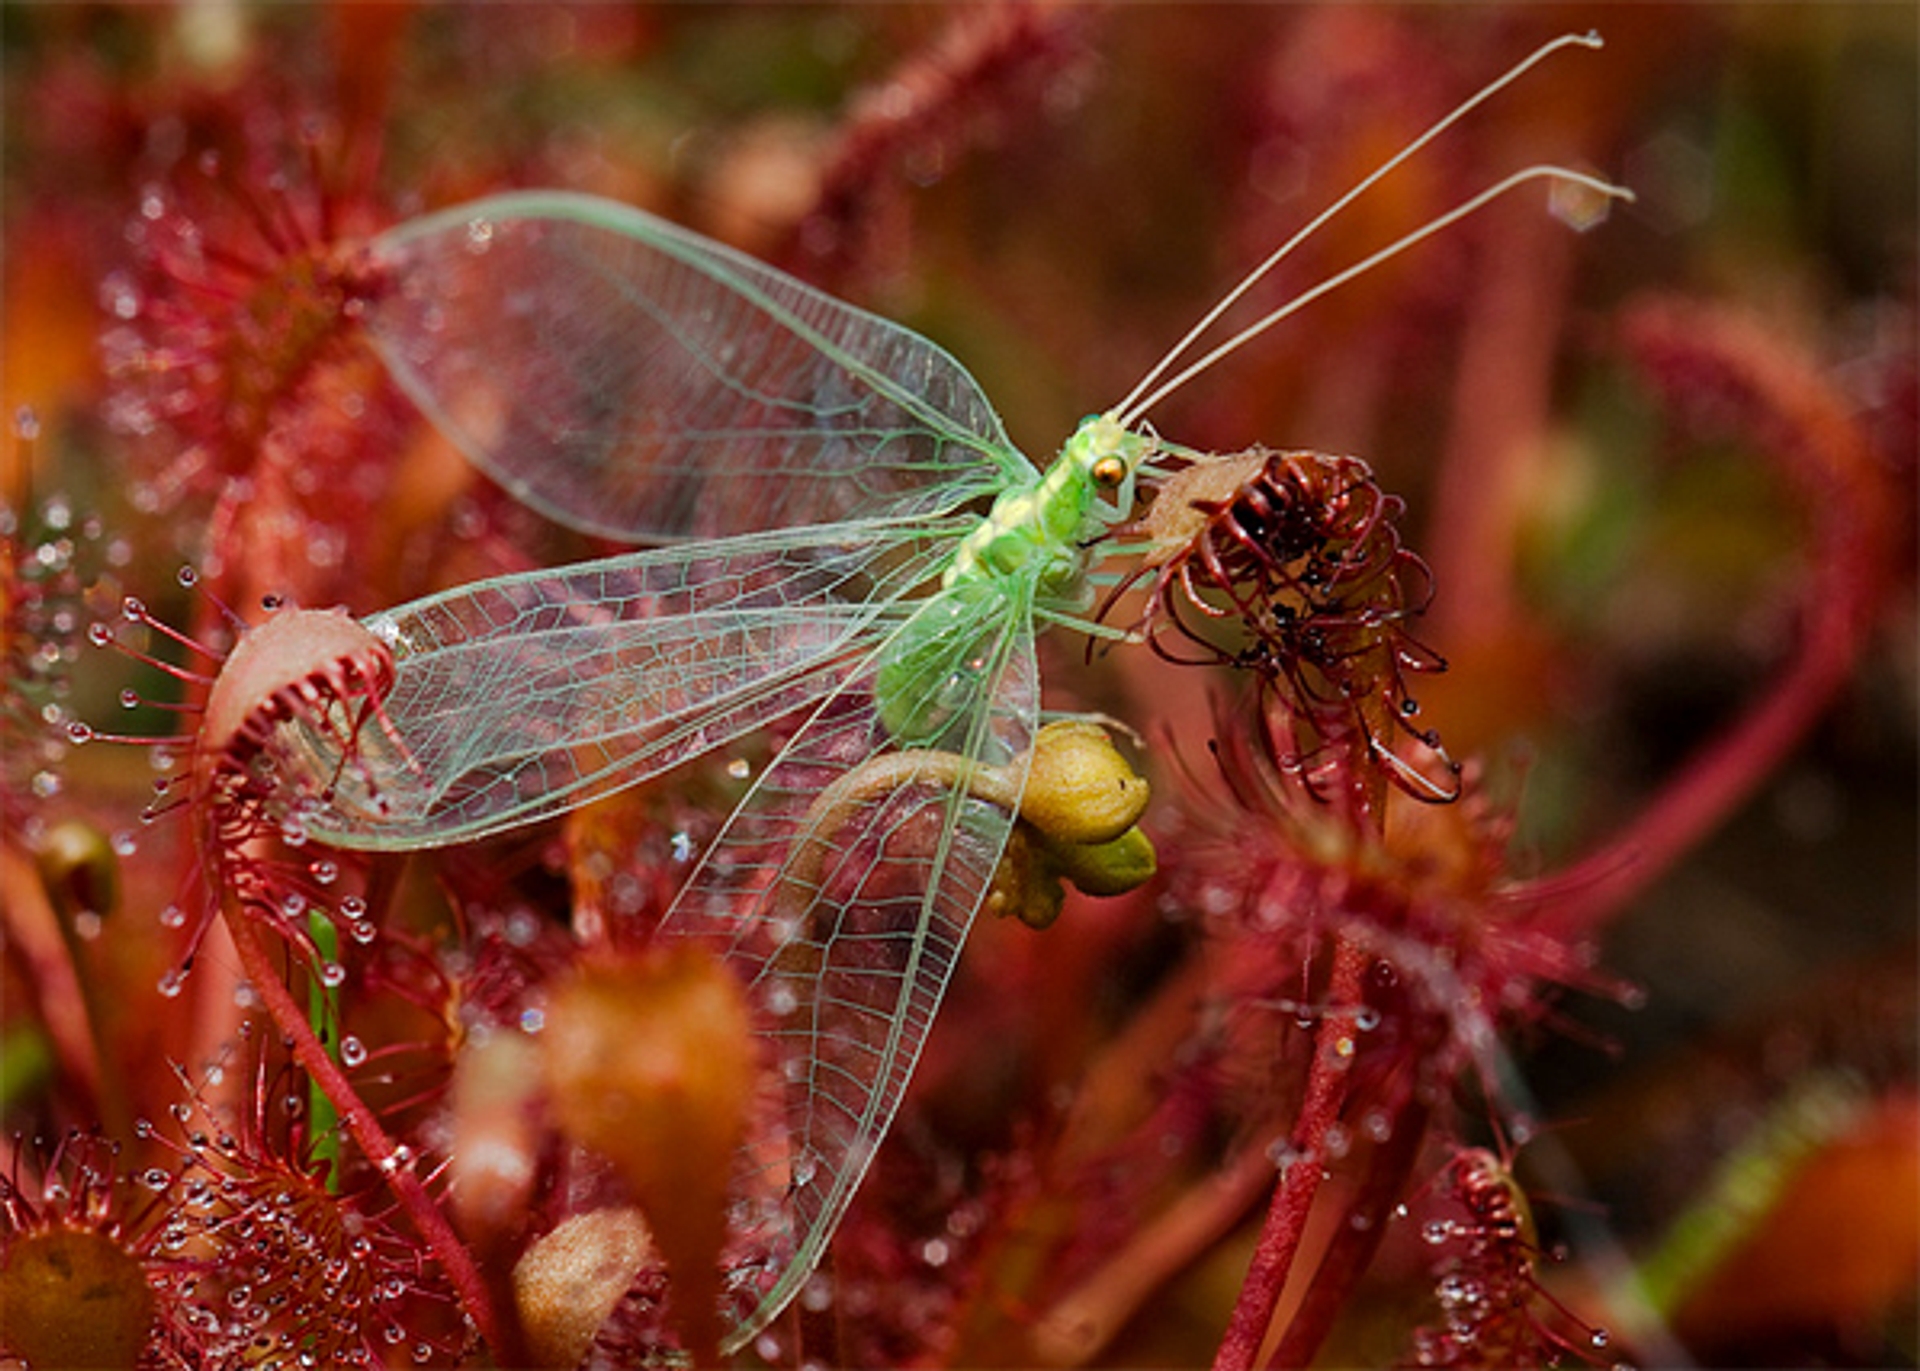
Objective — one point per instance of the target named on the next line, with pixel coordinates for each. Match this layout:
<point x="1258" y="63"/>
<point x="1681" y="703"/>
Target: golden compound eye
<point x="1109" y="472"/>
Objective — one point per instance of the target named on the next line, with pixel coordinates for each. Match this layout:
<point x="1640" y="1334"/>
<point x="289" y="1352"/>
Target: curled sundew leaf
<point x="293" y="662"/>
<point x="1080" y="790"/>
<point x="1289" y="565"/>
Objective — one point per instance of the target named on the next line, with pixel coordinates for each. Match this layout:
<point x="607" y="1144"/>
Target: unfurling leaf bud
<point x="1077" y="823"/>
<point x="1080" y="789"/>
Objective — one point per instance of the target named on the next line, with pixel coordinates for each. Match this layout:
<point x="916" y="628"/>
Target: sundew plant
<point x="568" y="797"/>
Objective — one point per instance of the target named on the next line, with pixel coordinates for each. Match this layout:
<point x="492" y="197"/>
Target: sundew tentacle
<point x="1302" y="553"/>
<point x="243" y="790"/>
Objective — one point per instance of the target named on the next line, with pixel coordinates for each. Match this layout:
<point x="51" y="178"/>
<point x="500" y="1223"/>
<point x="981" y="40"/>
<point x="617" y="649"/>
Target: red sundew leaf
<point x="990" y="66"/>
<point x="1495" y="1311"/>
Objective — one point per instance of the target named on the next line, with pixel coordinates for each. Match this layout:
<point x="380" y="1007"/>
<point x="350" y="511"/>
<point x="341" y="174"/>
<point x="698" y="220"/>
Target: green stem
<point x="323" y="1120"/>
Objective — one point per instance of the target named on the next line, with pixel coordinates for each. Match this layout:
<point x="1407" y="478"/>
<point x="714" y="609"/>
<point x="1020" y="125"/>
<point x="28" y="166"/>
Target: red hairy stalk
<point x="394" y="1162"/>
<point x="1335" y="1045"/>
<point x="989" y="63"/>
<point x="1349" y="1252"/>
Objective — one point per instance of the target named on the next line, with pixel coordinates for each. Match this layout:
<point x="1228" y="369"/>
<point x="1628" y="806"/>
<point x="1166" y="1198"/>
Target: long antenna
<point x="1366" y="264"/>
<point x="1129" y="410"/>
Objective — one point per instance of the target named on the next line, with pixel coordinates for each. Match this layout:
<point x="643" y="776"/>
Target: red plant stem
<point x="1350" y="1253"/>
<point x="1713" y="783"/>
<point x="1794" y="414"/>
<point x="291" y="1019"/>
<point x="1333" y="1054"/>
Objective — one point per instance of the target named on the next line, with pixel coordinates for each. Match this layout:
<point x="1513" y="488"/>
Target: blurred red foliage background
<point x="1662" y="472"/>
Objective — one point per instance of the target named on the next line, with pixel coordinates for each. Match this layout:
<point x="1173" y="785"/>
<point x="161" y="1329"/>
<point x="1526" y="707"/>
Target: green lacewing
<point x="810" y="477"/>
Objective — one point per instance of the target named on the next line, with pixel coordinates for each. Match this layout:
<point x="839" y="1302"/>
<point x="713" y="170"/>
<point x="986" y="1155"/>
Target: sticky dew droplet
<point x="1285" y="1156"/>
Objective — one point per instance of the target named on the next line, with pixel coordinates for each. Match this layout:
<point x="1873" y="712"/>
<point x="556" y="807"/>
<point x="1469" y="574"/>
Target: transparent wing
<point x="524" y="696"/>
<point x="841" y="891"/>
<point x="631" y="378"/>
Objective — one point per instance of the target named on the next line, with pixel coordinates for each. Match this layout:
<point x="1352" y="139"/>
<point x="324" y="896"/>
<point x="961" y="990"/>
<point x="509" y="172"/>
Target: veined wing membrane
<point x="841" y="892"/>
<point x="521" y="697"/>
<point x="632" y="379"/>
